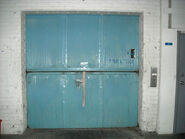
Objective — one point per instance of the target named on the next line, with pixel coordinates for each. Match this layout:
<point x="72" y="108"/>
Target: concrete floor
<point x="115" y="133"/>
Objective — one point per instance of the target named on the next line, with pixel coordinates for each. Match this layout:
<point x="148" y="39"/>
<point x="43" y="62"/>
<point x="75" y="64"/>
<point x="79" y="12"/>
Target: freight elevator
<point x="82" y="70"/>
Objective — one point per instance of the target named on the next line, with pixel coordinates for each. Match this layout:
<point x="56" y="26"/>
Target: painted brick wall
<point x="12" y="65"/>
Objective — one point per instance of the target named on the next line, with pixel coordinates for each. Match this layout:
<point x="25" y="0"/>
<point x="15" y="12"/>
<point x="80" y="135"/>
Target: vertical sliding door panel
<point x="120" y="99"/>
<point x="75" y="115"/>
<point x="120" y="35"/>
<point x="45" y="42"/>
<point x="44" y="95"/>
<point x="55" y="100"/>
<point x="83" y="41"/>
<point x="73" y="42"/>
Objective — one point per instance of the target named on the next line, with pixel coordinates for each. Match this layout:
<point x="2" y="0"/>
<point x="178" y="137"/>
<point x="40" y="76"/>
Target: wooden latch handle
<point x="83" y="104"/>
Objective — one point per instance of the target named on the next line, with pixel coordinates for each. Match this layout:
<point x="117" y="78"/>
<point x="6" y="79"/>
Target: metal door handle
<point x="181" y="82"/>
<point x="78" y="83"/>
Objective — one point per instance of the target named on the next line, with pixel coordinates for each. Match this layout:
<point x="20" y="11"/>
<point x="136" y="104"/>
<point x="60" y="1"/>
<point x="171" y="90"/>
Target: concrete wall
<point x="12" y="59"/>
<point x="168" y="62"/>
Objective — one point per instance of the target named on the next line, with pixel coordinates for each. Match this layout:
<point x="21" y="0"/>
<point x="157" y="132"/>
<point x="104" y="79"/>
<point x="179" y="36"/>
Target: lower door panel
<point x="44" y="96"/>
<point x="120" y="100"/>
<point x="55" y="99"/>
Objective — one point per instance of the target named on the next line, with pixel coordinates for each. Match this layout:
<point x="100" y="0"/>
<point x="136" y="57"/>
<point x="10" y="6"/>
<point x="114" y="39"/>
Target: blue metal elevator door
<point x="59" y="47"/>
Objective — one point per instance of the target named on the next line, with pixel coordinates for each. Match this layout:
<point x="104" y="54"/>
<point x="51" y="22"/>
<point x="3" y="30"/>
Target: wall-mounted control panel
<point x="153" y="81"/>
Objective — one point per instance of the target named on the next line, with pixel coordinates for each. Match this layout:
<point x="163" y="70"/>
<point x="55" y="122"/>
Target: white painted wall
<point x="168" y="63"/>
<point x="12" y="65"/>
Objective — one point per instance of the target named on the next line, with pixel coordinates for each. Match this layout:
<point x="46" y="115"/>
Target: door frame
<point x="23" y="51"/>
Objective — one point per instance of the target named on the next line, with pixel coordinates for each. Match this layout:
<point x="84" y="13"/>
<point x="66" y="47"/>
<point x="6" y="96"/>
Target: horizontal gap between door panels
<point x="78" y="71"/>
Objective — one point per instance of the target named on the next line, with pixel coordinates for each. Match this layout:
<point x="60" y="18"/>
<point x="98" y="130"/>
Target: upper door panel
<point x="45" y="41"/>
<point x="78" y="42"/>
<point x="120" y="41"/>
<point x="83" y="41"/>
